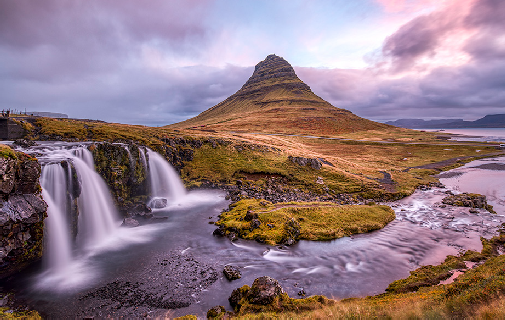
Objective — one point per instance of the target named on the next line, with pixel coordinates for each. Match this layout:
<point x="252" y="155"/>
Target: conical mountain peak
<point x="275" y="100"/>
<point x="274" y="71"/>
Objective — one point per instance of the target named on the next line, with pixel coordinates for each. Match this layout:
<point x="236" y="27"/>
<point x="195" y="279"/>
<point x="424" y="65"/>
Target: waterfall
<point x="130" y="156"/>
<point x="97" y="215"/>
<point x="166" y="185"/>
<point x="57" y="239"/>
<point x="96" y="209"/>
<point x="143" y="159"/>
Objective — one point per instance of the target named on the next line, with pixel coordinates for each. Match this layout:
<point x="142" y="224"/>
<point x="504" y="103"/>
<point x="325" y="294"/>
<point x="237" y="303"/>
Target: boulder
<point x="158" y="203"/>
<point x="130" y="223"/>
<point x="264" y="290"/>
<point x="232" y="272"/>
<point x="313" y="163"/>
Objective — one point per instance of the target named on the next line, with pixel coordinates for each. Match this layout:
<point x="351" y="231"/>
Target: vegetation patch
<point x="288" y="222"/>
<point x="6" y="152"/>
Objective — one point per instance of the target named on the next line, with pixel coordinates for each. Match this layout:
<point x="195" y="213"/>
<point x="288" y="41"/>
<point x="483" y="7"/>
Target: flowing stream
<point x="424" y="232"/>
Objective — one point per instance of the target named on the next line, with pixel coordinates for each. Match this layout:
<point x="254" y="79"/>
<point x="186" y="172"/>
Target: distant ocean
<point x="474" y="134"/>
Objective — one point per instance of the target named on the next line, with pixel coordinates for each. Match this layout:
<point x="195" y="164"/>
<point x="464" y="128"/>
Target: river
<point x="179" y="257"/>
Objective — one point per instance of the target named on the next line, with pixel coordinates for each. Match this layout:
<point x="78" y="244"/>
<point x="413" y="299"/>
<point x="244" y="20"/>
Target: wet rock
<point x="302" y="292"/>
<point x="24" y="143"/>
<point x="232" y="236"/>
<point x="219" y="232"/>
<point x="159" y="203"/>
<point x="232" y="272"/>
<point x="264" y="290"/>
<point x="130" y="223"/>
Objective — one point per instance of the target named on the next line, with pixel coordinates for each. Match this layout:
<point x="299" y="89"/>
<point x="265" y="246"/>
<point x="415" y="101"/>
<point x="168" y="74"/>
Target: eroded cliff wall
<point x="22" y="211"/>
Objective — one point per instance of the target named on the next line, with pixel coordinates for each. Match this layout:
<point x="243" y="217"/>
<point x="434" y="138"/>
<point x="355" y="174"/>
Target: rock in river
<point x="232" y="272"/>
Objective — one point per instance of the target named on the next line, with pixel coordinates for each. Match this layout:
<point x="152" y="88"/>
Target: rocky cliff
<point x="22" y="211"/>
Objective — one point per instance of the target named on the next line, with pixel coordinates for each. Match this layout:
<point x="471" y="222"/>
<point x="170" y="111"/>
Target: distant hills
<point x="275" y="100"/>
<point x="489" y="121"/>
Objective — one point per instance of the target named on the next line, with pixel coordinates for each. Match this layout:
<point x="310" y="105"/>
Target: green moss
<point x="302" y="221"/>
<point x="6" y="152"/>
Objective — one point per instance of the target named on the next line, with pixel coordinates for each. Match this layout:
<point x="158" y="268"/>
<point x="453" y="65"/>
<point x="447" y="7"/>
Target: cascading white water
<point x="57" y="238"/>
<point x="165" y="182"/>
<point x="130" y="156"/>
<point x="86" y="156"/>
<point x="143" y="158"/>
<point x="97" y="214"/>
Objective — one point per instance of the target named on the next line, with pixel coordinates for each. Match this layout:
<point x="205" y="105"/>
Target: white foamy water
<point x="166" y="186"/>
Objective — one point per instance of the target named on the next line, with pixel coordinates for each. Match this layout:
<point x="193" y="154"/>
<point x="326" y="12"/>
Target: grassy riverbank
<point x="277" y="223"/>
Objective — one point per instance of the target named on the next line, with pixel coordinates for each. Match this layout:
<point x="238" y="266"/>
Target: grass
<point x="303" y="221"/>
<point x="356" y="164"/>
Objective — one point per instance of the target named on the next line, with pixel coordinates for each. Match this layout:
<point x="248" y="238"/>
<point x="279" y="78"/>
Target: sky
<point x="158" y="62"/>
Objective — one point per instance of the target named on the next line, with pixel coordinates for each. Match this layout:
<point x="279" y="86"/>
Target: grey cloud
<point x="415" y="39"/>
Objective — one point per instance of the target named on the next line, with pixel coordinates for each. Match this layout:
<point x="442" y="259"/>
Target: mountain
<point x="275" y="100"/>
<point x="489" y="121"/>
<point x="422" y="124"/>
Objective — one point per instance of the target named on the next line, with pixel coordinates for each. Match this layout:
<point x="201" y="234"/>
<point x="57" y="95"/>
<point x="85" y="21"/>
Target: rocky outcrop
<point x="263" y="292"/>
<point x="313" y="163"/>
<point x="22" y="212"/>
<point x="471" y="200"/>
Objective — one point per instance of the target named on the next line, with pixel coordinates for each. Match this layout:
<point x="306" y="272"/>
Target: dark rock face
<point x="123" y="172"/>
<point x="232" y="272"/>
<point x="22" y="211"/>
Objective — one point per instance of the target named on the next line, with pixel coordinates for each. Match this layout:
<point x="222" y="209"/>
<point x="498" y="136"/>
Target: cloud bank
<point x="161" y="62"/>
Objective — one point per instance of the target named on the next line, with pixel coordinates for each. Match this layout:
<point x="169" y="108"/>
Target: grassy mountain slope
<point x="275" y="100"/>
